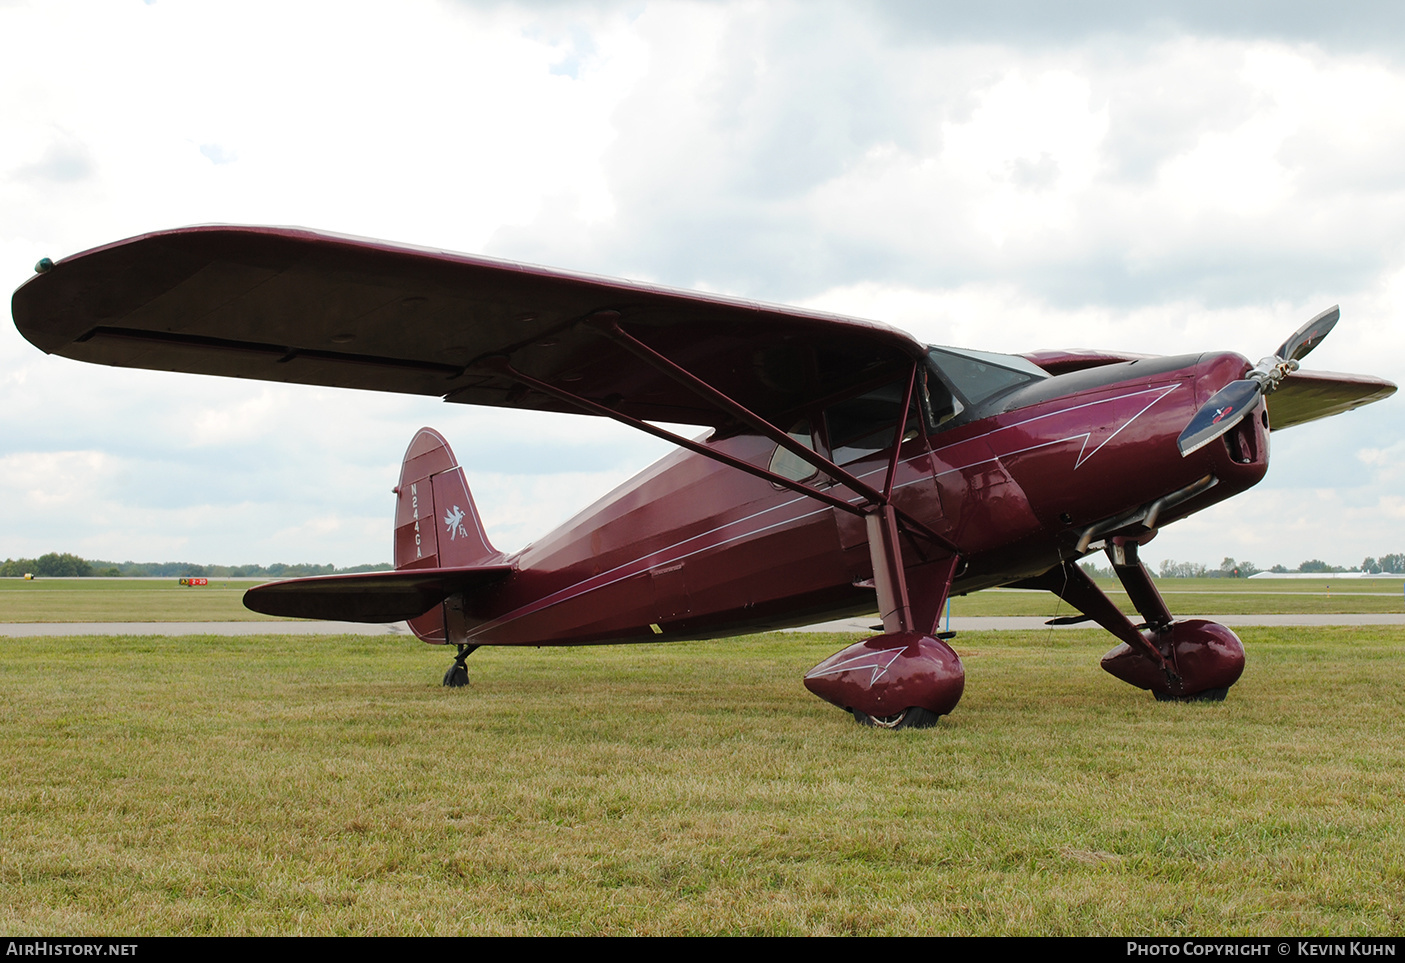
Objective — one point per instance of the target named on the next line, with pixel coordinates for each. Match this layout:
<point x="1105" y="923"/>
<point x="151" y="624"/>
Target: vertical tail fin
<point x="436" y="522"/>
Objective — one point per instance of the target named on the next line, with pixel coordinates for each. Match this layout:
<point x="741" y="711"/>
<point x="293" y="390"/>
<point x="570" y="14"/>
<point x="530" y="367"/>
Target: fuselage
<point x="692" y="548"/>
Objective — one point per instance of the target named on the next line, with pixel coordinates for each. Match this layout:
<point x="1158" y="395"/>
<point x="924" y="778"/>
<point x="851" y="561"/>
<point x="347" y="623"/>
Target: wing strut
<point x="501" y="365"/>
<point x="898" y="435"/>
<point x="608" y="324"/>
<point x="874" y="499"/>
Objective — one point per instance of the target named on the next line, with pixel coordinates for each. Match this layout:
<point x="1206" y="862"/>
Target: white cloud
<point x="1159" y="189"/>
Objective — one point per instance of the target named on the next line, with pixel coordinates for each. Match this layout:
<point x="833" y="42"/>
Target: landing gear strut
<point x="457" y="676"/>
<point x="1188" y="661"/>
<point x="907" y="677"/>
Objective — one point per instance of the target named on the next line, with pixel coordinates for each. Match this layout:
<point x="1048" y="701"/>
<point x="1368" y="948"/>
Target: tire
<point x="456" y="677"/>
<point x="1207" y="695"/>
<point x="913" y="717"/>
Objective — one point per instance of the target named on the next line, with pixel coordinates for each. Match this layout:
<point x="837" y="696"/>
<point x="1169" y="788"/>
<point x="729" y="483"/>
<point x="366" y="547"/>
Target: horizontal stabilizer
<point x="370" y="596"/>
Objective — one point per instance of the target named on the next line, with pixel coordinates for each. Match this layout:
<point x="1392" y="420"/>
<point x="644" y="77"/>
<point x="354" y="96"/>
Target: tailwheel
<point x="457" y="676"/>
<point x="913" y="717"/>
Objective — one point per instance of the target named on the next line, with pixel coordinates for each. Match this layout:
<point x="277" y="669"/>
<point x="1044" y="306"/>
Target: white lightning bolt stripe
<point x="866" y="660"/>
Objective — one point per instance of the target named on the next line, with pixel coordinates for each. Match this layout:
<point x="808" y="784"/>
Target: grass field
<point x="1213" y="596"/>
<point x="329" y="785"/>
<point x="124" y="600"/>
<point x="138" y="600"/>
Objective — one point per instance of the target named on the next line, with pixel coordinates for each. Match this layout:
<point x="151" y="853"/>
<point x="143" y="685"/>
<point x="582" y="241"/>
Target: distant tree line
<point x="1229" y="568"/>
<point x="52" y="565"/>
<point x="55" y="565"/>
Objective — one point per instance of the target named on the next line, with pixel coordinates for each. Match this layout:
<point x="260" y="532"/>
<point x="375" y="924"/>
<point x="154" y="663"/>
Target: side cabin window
<point x="852" y="429"/>
<point x="861" y="426"/>
<point x="980" y="376"/>
<point x="858" y="427"/>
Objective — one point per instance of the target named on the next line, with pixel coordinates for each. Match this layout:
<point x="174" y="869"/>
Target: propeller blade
<point x="1307" y="337"/>
<point x="1236" y="399"/>
<point x="1218" y="415"/>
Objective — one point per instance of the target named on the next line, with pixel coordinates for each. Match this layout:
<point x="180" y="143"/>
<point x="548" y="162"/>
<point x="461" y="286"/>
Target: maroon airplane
<point x="847" y="467"/>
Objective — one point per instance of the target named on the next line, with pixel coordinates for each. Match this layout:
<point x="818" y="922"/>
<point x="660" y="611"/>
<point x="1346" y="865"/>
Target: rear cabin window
<point x="787" y="464"/>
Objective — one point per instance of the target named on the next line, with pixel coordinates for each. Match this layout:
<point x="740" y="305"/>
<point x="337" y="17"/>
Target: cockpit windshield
<point x="980" y="375"/>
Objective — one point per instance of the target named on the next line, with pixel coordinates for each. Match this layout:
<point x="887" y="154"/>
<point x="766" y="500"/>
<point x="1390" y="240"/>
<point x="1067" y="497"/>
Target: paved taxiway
<point x="847" y="626"/>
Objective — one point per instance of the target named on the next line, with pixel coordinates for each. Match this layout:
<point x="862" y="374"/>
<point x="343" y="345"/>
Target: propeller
<point x="1235" y="400"/>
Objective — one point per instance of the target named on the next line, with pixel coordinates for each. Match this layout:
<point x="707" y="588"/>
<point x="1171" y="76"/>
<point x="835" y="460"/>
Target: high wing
<point x="293" y="305"/>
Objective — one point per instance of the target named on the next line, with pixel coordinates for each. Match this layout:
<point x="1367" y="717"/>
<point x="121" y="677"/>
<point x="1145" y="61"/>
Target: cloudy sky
<point x="994" y="175"/>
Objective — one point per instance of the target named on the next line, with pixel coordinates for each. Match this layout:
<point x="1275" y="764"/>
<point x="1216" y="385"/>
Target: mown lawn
<point x="329" y="785"/>
<point x="1206" y="596"/>
<point x="141" y="600"/>
<point x="124" y="600"/>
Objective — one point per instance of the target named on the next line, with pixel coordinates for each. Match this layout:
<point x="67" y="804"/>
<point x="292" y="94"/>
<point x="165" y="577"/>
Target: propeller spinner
<point x="1235" y="400"/>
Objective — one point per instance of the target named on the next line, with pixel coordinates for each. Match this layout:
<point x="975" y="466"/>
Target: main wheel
<point x="457" y="676"/>
<point x="913" y="717"/>
<point x="1206" y="695"/>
